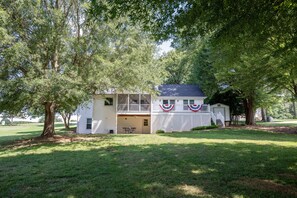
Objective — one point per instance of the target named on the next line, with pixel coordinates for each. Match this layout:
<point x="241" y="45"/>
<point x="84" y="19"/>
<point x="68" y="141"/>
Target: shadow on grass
<point x="166" y="170"/>
<point x="18" y="136"/>
<point x="23" y="135"/>
<point x="242" y="134"/>
<point x="57" y="142"/>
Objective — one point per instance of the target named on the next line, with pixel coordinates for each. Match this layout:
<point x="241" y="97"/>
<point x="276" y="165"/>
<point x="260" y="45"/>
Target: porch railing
<point x="145" y="108"/>
<point x="134" y="108"/>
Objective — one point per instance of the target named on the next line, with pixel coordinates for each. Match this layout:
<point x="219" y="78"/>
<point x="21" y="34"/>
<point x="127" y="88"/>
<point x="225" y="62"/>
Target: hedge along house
<point x="175" y="108"/>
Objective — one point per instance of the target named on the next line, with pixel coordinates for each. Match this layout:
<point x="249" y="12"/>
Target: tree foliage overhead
<point x="191" y="64"/>
<point x="177" y="68"/>
<point x="253" y="43"/>
<point x="187" y="19"/>
<point x="53" y="56"/>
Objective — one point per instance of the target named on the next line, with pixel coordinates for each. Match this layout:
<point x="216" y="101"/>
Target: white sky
<point x="165" y="47"/>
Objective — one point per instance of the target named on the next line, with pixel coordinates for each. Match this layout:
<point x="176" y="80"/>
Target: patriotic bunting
<point x="194" y="107"/>
<point x="167" y="107"/>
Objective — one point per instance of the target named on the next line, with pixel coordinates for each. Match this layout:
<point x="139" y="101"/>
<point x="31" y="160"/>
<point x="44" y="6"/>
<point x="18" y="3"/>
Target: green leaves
<point x="53" y="52"/>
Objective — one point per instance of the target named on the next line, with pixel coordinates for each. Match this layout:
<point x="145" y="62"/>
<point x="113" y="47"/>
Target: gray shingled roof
<point x="180" y="90"/>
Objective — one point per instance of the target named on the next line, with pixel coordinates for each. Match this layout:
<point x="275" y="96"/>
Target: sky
<point x="165" y="47"/>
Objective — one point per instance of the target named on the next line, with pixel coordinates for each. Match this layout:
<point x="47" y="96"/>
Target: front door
<point x="146" y="125"/>
<point x="217" y="110"/>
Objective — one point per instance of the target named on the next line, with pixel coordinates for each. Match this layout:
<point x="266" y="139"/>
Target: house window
<point x="187" y="102"/>
<point x="169" y="102"/>
<point x="108" y="102"/>
<point x="89" y="123"/>
<point x="145" y="122"/>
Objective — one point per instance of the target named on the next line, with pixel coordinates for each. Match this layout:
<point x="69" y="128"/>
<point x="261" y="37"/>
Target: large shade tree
<point x="176" y="66"/>
<point x="254" y="42"/>
<point x="52" y="56"/>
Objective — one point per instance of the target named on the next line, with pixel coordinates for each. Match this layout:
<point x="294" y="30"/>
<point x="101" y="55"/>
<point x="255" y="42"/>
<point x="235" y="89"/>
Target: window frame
<point x="108" y="101"/>
<point x="187" y="102"/>
<point x="169" y="101"/>
<point x="88" y="124"/>
<point x="145" y="122"/>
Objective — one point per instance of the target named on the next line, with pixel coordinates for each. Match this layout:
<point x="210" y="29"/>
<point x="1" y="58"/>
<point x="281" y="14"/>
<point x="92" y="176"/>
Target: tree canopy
<point x="252" y="43"/>
<point x="53" y="55"/>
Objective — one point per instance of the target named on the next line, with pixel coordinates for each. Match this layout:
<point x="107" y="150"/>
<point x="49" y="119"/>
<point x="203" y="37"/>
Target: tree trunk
<point x="49" y="121"/>
<point x="249" y="111"/>
<point x="294" y="110"/>
<point x="263" y="115"/>
<point x="66" y="119"/>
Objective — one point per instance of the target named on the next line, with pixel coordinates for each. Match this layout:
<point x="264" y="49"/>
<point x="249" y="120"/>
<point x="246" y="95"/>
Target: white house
<point x="175" y="108"/>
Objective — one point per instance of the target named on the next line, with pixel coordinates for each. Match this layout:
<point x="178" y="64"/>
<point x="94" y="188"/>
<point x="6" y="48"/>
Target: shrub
<point x="160" y="131"/>
<point x="204" y="127"/>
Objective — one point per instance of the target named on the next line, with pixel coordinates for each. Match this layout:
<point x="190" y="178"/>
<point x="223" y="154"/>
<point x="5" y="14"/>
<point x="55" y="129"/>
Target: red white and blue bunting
<point x="167" y="107"/>
<point x="194" y="107"/>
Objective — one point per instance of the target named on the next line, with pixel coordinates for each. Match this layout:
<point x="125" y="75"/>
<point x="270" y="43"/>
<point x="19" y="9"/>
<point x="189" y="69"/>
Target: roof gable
<point x="180" y="90"/>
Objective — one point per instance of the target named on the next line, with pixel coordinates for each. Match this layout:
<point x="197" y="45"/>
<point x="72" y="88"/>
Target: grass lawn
<point x="280" y="122"/>
<point x="214" y="163"/>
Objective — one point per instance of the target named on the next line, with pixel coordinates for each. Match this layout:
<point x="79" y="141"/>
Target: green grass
<point x="279" y="122"/>
<point x="275" y="123"/>
<point x="213" y="163"/>
<point x="21" y="131"/>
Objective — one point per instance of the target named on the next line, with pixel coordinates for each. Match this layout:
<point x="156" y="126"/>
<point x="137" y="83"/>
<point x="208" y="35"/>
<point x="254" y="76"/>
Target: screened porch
<point x="134" y="103"/>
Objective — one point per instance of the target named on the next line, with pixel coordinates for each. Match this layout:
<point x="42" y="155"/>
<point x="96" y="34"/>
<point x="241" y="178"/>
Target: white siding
<point x="84" y="112"/>
<point x="104" y="117"/>
<point x="179" y="121"/>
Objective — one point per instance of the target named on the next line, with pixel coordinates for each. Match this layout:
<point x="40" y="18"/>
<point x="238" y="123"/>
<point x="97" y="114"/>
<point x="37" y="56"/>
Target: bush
<point x="204" y="127"/>
<point x="160" y="131"/>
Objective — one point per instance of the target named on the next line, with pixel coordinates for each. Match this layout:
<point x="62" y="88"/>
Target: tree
<point x="66" y="111"/>
<point x="202" y="68"/>
<point x="52" y="55"/>
<point x="247" y="37"/>
<point x="176" y="66"/>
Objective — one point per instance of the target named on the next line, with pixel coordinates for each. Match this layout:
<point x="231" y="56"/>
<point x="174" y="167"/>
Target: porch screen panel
<point x="122" y="102"/>
<point x="145" y="102"/>
<point x="134" y="102"/>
